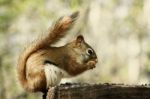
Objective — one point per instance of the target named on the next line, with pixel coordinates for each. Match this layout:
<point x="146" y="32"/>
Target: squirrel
<point x="41" y="65"/>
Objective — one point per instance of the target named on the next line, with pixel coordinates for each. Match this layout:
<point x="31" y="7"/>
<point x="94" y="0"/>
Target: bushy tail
<point x="56" y="32"/>
<point x="60" y="27"/>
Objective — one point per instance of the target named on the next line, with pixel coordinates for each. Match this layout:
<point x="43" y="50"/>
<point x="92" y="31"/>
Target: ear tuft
<point x="80" y="39"/>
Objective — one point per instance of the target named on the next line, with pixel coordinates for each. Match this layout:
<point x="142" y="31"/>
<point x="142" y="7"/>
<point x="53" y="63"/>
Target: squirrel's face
<point x="83" y="52"/>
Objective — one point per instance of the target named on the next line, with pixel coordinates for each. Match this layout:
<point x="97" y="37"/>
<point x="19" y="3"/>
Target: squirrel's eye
<point x="89" y="51"/>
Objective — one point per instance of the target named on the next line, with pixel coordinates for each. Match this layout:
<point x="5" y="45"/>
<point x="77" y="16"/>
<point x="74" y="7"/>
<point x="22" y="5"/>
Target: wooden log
<point x="101" y="91"/>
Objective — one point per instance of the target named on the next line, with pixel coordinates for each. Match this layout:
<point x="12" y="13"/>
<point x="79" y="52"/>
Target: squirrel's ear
<point x="79" y="40"/>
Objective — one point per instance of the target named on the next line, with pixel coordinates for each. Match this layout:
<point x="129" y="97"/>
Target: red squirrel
<point x="41" y="66"/>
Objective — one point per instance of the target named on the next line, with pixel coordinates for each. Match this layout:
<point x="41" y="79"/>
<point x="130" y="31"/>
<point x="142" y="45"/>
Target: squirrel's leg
<point x="44" y="94"/>
<point x="51" y="93"/>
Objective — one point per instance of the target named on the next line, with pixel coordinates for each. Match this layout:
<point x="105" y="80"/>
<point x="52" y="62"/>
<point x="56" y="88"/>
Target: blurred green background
<point x="118" y="30"/>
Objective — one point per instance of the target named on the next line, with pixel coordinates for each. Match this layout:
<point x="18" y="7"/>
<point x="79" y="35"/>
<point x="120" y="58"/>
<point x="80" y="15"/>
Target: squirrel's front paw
<point x="91" y="64"/>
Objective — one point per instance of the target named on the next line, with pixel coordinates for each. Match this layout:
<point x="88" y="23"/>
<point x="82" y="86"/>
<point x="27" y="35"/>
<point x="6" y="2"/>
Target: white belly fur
<point x="54" y="74"/>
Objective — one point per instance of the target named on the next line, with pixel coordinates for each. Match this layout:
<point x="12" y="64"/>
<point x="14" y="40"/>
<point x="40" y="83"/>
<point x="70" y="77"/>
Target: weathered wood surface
<point x="102" y="91"/>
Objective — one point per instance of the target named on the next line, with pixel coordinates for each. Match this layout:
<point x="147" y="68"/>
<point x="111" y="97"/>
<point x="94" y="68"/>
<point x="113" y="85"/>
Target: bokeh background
<point x="118" y="30"/>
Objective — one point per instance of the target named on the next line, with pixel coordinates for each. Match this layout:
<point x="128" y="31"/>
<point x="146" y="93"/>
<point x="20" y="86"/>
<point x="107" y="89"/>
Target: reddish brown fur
<point x="54" y="34"/>
<point x="68" y="57"/>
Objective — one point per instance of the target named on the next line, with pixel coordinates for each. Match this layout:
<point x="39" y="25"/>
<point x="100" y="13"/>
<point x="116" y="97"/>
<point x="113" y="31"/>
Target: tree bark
<point x="101" y="91"/>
